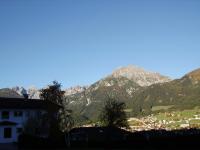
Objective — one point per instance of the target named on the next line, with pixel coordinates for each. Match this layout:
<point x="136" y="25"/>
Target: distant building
<point x="14" y="112"/>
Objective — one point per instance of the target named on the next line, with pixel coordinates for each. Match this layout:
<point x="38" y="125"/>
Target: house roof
<point x="22" y="103"/>
<point x="7" y="123"/>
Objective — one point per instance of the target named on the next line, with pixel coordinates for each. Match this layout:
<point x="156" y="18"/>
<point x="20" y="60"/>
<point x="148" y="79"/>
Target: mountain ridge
<point x="141" y="90"/>
<point x="122" y="85"/>
<point x="140" y="76"/>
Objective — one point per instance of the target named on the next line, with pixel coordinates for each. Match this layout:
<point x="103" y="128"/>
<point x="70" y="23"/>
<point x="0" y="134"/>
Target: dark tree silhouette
<point x="63" y="122"/>
<point x="53" y="93"/>
<point x="113" y="114"/>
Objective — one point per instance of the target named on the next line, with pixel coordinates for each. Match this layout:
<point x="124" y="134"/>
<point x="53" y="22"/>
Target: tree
<point x="113" y="114"/>
<point x="36" y="125"/>
<point x="66" y="119"/>
<point x="54" y="94"/>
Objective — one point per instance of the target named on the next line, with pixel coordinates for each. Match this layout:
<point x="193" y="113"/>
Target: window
<point x="5" y="114"/>
<point x="18" y="113"/>
<point x="19" y="130"/>
<point x="7" y="132"/>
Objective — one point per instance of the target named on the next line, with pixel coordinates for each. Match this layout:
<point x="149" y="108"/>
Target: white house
<point x="14" y="112"/>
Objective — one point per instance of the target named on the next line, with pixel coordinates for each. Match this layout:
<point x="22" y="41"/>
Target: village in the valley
<point x="167" y="120"/>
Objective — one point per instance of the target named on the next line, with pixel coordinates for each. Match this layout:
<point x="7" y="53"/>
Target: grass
<point x="172" y="120"/>
<point x="180" y="117"/>
<point x="128" y="110"/>
<point x="177" y="115"/>
<point x="157" y="108"/>
<point x="135" y="123"/>
<point x="195" y="121"/>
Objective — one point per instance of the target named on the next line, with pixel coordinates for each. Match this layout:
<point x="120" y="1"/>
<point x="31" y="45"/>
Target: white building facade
<point x="14" y="113"/>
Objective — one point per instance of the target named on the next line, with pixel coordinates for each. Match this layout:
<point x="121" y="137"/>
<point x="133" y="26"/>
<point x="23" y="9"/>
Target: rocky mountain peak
<point x="32" y="92"/>
<point x="20" y="90"/>
<point x="194" y="75"/>
<point x="74" y="90"/>
<point x="140" y="76"/>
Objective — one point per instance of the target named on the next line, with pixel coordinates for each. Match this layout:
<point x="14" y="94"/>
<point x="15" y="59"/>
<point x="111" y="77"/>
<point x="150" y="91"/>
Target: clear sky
<point x="77" y="42"/>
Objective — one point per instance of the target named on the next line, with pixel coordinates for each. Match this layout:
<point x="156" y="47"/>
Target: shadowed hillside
<point x="178" y="94"/>
<point x="6" y="92"/>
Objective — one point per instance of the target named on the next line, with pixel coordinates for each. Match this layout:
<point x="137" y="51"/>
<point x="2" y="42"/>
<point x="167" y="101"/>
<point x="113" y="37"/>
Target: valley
<point x="167" y="120"/>
<point x="147" y="95"/>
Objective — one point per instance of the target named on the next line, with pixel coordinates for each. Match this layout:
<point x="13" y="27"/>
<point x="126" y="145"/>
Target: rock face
<point x="122" y="85"/>
<point x="88" y="103"/>
<point x="135" y="74"/>
<point x="32" y="92"/>
<point x="194" y="75"/>
<point x="75" y="90"/>
<point x="140" y="76"/>
<point x="20" y="90"/>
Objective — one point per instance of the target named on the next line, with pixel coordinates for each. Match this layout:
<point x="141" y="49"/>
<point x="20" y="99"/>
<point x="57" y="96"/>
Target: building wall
<point x="20" y="120"/>
<point x="8" y="140"/>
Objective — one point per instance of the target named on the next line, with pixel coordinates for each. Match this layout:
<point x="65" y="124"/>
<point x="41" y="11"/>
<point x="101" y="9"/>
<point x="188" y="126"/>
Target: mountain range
<point x="183" y="93"/>
<point x="33" y="92"/>
<point x="122" y="84"/>
<point x="144" y="92"/>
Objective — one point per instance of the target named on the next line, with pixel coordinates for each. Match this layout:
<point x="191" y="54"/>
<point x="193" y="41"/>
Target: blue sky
<point x="78" y="42"/>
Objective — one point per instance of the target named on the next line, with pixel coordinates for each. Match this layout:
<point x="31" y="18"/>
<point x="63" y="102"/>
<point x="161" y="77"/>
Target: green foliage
<point x="113" y="114"/>
<point x="135" y="123"/>
<point x="53" y="93"/>
<point x="158" y="108"/>
<point x="179" y="117"/>
<point x="64" y="120"/>
<point x="175" y="95"/>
